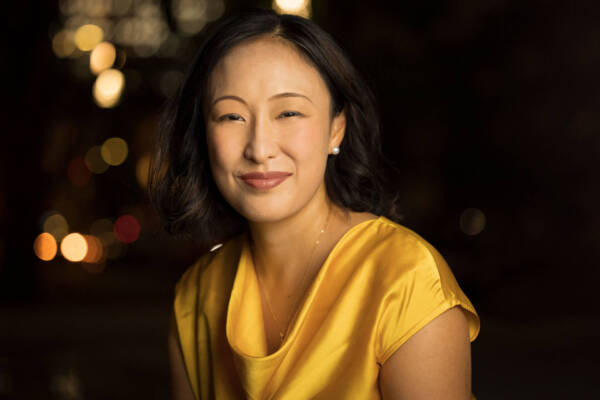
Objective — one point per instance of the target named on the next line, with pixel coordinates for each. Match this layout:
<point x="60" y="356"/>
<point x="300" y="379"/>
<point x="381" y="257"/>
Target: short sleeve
<point x="416" y="293"/>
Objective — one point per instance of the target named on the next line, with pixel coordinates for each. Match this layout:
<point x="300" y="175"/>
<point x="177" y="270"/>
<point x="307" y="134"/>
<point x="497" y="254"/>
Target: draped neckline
<point x="244" y="310"/>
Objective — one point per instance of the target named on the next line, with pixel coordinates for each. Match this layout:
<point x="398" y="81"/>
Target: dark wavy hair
<point x="181" y="185"/>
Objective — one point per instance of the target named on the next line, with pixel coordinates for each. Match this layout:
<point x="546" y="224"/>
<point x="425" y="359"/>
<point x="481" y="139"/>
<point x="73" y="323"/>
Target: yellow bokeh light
<point x="88" y="36"/>
<point x="108" y="87"/>
<point x="45" y="246"/>
<point x="94" y="162"/>
<point x="114" y="151"/>
<point x="74" y="247"/>
<point x="296" y="7"/>
<point x="63" y="43"/>
<point x="141" y="170"/>
<point x="102" y="57"/>
<point x="57" y="226"/>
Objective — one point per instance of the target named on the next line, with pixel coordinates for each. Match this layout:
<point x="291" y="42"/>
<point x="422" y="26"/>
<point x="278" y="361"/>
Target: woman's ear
<point x="338" y="130"/>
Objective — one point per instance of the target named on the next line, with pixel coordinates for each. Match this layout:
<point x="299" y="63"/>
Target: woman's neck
<point x="282" y="250"/>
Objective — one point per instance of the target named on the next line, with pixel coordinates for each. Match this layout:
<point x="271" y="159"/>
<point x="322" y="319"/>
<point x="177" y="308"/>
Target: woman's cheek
<point x="220" y="151"/>
<point x="308" y="140"/>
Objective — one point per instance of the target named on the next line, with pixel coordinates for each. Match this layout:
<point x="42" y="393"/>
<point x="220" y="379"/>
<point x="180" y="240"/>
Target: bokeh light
<point x="74" y="247"/>
<point x="45" y="246"/>
<point x="190" y="15"/>
<point x="88" y="36"/>
<point x="95" y="253"/>
<point x="94" y="161"/>
<point x="296" y="7"/>
<point x="56" y="225"/>
<point x="102" y="57"/>
<point x="127" y="228"/>
<point x="103" y="229"/>
<point x="63" y="43"/>
<point x="141" y="170"/>
<point x="472" y="221"/>
<point x="78" y="172"/>
<point x="108" y="87"/>
<point x="114" y="151"/>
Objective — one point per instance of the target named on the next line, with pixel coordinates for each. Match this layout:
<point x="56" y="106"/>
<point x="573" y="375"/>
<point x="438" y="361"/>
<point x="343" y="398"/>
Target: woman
<point x="272" y="148"/>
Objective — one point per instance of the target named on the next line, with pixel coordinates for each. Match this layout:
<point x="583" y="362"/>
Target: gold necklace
<point x="284" y="332"/>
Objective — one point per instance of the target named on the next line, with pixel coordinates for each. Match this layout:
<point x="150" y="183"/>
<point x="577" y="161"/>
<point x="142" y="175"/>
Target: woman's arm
<point x="435" y="363"/>
<point x="180" y="384"/>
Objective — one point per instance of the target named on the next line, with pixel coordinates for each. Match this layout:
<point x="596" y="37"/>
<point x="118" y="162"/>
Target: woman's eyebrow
<point x="231" y="97"/>
<point x="289" y="94"/>
<point x="276" y="96"/>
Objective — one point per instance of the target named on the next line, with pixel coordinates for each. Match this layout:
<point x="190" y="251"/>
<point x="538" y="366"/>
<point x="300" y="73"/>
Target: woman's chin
<point x="265" y="216"/>
<point x="266" y="213"/>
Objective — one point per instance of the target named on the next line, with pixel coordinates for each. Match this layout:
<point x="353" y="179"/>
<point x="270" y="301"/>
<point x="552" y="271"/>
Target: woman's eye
<point x="231" y="117"/>
<point x="287" y="114"/>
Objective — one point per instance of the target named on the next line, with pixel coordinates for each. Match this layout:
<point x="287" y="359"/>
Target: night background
<point x="489" y="112"/>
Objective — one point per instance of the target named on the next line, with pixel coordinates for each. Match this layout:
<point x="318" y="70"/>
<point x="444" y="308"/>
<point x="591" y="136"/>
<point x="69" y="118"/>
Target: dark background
<point x="487" y="105"/>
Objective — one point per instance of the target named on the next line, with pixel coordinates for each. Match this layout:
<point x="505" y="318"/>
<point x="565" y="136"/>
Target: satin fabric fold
<point x="380" y="284"/>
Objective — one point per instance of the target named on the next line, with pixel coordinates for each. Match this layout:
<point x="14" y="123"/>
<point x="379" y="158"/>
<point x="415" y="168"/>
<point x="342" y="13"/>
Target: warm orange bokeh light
<point x="296" y="7"/>
<point x="102" y="57"/>
<point x="108" y="87"/>
<point x="74" y="247"/>
<point x="45" y="246"/>
<point x="95" y="252"/>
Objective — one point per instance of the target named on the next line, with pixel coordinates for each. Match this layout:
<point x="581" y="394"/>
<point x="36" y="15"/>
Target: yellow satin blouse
<point x="380" y="284"/>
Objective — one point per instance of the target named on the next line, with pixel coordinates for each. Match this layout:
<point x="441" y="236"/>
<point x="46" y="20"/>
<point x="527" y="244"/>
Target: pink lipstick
<point x="264" y="180"/>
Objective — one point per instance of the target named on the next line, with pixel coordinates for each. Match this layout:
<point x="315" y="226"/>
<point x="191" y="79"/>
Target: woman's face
<point x="268" y="111"/>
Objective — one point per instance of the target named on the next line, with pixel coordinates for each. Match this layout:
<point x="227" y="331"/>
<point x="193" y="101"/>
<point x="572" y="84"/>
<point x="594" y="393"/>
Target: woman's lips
<point x="264" y="180"/>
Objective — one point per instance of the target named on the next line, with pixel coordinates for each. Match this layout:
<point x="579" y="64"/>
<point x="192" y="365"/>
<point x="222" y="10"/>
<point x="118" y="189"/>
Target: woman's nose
<point x="261" y="143"/>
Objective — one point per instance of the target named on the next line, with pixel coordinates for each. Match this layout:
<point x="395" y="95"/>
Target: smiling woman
<point x="268" y="143"/>
<point x="272" y="149"/>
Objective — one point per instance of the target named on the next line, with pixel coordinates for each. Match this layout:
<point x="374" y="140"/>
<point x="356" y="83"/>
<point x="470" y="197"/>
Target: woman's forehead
<point x="267" y="65"/>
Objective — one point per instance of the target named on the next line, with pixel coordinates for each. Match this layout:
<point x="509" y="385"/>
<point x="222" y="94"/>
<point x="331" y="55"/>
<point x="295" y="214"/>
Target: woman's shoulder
<point x="394" y="243"/>
<point x="216" y="264"/>
<point x="413" y="281"/>
<point x="394" y="253"/>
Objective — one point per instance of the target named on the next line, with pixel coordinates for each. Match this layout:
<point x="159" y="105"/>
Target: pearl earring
<point x="335" y="150"/>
